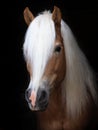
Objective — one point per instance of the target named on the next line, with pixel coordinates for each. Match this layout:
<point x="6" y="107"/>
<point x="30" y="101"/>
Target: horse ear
<point x="56" y="15"/>
<point x="28" y="16"/>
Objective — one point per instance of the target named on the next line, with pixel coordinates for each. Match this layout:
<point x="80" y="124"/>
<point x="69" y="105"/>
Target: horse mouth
<point x="38" y="107"/>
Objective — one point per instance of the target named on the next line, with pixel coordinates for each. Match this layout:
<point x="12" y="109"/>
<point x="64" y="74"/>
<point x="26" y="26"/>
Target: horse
<point x="62" y="88"/>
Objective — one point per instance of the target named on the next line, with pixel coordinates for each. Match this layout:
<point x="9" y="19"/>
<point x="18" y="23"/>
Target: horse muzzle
<point x="39" y="101"/>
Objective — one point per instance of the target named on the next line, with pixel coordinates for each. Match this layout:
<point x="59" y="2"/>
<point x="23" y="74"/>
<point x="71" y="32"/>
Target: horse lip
<point x="37" y="108"/>
<point x="33" y="108"/>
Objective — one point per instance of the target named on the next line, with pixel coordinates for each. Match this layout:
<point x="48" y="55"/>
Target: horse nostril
<point x="43" y="96"/>
<point x="28" y="94"/>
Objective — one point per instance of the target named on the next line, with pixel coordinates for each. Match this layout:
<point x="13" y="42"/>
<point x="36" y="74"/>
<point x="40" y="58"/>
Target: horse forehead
<point x="40" y="37"/>
<point x="42" y="20"/>
<point x="41" y="30"/>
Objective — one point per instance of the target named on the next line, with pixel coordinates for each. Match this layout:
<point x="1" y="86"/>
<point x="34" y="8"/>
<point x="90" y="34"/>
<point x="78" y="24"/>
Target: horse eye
<point x="57" y="49"/>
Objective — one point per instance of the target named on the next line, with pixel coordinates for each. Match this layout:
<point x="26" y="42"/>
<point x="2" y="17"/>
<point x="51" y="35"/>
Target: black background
<point x="81" y="16"/>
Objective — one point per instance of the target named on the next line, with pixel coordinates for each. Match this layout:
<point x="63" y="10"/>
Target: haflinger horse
<point x="62" y="87"/>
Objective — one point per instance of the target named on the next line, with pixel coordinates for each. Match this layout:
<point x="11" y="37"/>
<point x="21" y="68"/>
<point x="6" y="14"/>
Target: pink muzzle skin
<point x="33" y="98"/>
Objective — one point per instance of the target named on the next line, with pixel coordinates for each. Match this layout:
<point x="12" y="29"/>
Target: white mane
<point x="79" y="80"/>
<point x="39" y="44"/>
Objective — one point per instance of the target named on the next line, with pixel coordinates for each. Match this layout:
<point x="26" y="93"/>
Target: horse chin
<point x="33" y="108"/>
<point x="37" y="108"/>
